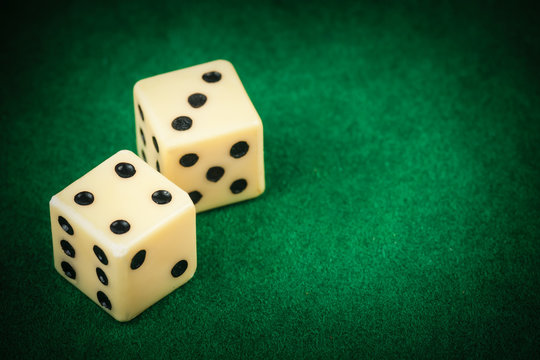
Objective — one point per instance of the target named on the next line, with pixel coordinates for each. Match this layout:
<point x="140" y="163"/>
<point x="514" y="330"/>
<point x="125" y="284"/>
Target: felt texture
<point x="402" y="149"/>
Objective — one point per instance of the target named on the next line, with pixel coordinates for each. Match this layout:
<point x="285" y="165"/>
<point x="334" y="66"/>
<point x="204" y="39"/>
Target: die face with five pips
<point x="198" y="127"/>
<point x="124" y="235"/>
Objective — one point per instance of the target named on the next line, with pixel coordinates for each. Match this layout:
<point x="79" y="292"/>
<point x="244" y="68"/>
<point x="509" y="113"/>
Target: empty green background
<point x="402" y="151"/>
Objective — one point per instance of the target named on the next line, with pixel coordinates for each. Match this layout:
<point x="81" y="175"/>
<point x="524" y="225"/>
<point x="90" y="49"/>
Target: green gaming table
<point x="401" y="217"/>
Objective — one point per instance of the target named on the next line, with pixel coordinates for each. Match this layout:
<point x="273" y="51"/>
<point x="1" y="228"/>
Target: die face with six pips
<point x="124" y="235"/>
<point x="198" y="127"/>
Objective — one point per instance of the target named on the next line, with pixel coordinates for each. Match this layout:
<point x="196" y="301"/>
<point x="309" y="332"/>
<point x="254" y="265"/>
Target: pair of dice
<point x="125" y="233"/>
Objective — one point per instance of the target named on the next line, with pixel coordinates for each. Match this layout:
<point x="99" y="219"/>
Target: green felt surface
<point x="402" y="147"/>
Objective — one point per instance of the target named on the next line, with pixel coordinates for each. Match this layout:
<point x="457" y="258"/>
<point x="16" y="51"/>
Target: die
<point x="199" y="128"/>
<point x="124" y="235"/>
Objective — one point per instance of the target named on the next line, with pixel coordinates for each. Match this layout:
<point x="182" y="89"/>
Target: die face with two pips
<point x="198" y="127"/>
<point x="124" y="235"/>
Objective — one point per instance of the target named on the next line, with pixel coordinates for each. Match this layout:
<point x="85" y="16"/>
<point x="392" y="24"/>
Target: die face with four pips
<point x="198" y="127"/>
<point x="124" y="235"/>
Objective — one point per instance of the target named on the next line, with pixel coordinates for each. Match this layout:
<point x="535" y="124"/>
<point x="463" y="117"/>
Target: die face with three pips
<point x="124" y="235"/>
<point x="198" y="127"/>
